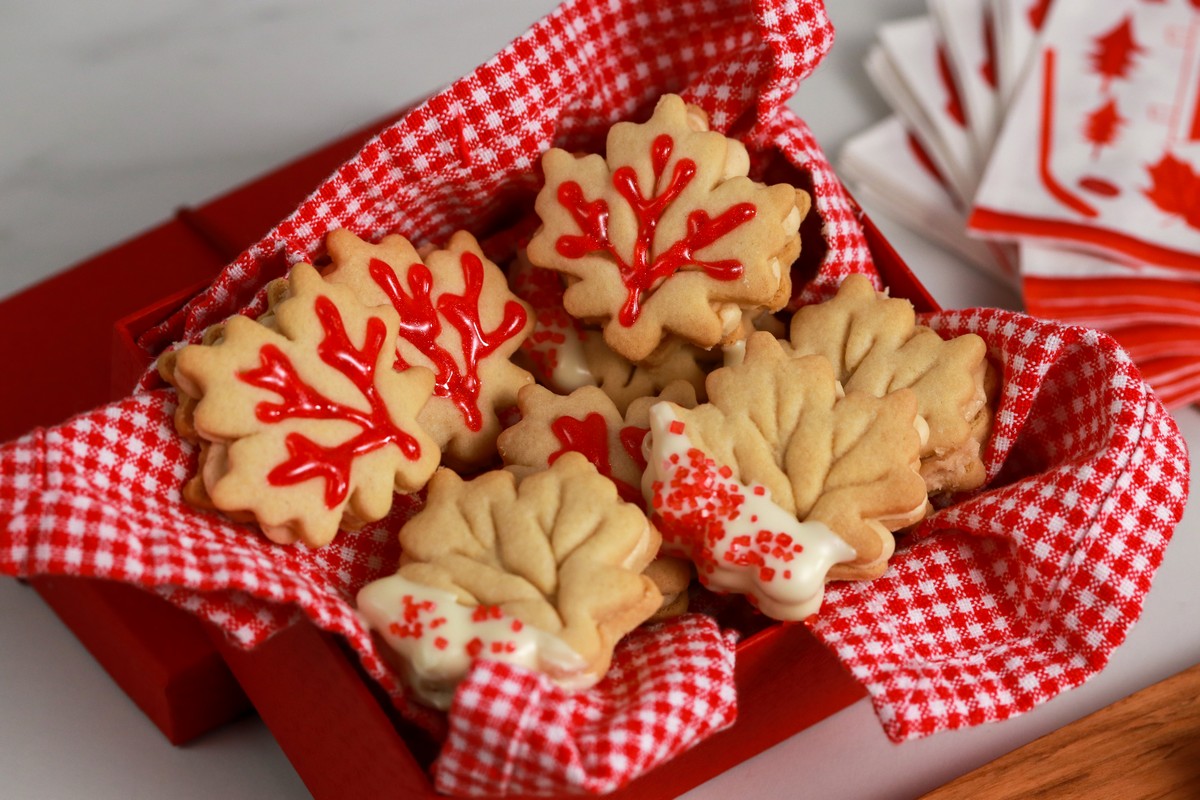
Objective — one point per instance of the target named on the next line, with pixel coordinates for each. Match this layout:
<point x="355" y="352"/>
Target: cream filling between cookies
<point x="571" y="370"/>
<point x="738" y="537"/>
<point x="439" y="638"/>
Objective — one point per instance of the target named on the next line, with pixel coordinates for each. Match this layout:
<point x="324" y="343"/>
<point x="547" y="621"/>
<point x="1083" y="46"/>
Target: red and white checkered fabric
<point x="1087" y="469"/>
<point x="1009" y="597"/>
<point x="99" y="496"/>
<point x="655" y="701"/>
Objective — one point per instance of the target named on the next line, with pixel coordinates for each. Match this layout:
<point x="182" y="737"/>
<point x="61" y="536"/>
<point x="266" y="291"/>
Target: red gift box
<point x="160" y="656"/>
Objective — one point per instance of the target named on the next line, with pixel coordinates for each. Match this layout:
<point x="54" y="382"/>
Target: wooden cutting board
<point x="1144" y="746"/>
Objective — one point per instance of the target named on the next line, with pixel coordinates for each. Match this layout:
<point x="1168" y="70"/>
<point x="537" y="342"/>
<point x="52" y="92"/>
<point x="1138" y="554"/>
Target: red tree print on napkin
<point x="1102" y="126"/>
<point x="954" y="104"/>
<point x="1037" y="13"/>
<point x="988" y="68"/>
<point x="1114" y="52"/>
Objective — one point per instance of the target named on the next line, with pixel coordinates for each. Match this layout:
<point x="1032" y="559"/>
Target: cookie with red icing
<point x="588" y="422"/>
<point x="665" y="234"/>
<point x="304" y="425"/>
<point x="542" y="571"/>
<point x="585" y="421"/>
<point x="554" y="350"/>
<point x="458" y="318"/>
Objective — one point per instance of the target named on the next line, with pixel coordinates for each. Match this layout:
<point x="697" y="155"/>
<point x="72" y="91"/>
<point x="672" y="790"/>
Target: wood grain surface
<point x="1144" y="746"/>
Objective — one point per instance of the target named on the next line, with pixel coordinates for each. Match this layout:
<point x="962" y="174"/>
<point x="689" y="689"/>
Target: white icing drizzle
<point x="740" y="540"/>
<point x="438" y="638"/>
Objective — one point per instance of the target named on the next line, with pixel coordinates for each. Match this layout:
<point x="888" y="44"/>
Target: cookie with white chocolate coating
<point x="543" y="571"/>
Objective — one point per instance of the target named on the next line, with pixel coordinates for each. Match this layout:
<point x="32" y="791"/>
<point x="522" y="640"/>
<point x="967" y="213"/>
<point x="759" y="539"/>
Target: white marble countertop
<point x="116" y="113"/>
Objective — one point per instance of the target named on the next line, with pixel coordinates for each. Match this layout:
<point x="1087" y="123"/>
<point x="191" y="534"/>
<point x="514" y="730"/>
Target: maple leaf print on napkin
<point x="1175" y="188"/>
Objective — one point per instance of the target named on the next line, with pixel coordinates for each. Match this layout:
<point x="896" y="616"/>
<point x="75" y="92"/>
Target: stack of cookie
<point x="674" y="418"/>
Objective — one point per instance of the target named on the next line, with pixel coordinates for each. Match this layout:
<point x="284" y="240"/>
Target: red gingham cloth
<point x="1057" y="519"/>
<point x="1005" y="599"/>
<point x="654" y="702"/>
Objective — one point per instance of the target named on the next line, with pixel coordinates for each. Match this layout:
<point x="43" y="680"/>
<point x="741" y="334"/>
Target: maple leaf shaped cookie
<point x="665" y="233"/>
<point x="185" y="406"/>
<point x="588" y="422"/>
<point x="780" y="481"/>
<point x="458" y="318"/>
<point x="544" y="571"/>
<point x="876" y="346"/>
<point x="305" y="425"/>
<point x="276" y="292"/>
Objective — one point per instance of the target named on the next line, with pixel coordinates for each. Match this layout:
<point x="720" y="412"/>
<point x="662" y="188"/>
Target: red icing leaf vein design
<point x="421" y="325"/>
<point x="589" y="436"/>
<point x="1113" y="56"/>
<point x="641" y="272"/>
<point x="308" y="459"/>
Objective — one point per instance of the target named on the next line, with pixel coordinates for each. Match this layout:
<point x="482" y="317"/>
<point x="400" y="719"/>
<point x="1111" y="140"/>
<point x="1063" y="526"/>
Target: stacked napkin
<point x="1055" y="144"/>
